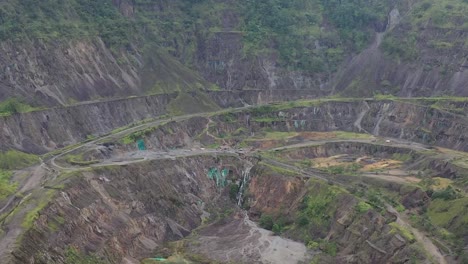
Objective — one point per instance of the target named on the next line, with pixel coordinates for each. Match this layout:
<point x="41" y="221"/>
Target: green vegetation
<point x="279" y="170"/>
<point x="266" y="221"/>
<point x="295" y="26"/>
<point x="363" y="207"/>
<point x="329" y="248"/>
<point x="351" y="135"/>
<point x="13" y="159"/>
<point x="79" y="160"/>
<point x="269" y="223"/>
<point x="452" y="215"/>
<point x="405" y="50"/>
<point x="348" y="169"/>
<point x="317" y="208"/>
<point x="446" y="17"/>
<point x="13" y="106"/>
<point x="233" y="190"/>
<point x="449" y="193"/>
<point x="55" y="223"/>
<point x="279" y="135"/>
<point x="33" y="214"/>
<point x="424" y="222"/>
<point x="134" y="136"/>
<point x="7" y="188"/>
<point x="374" y="198"/>
<point x="50" y="19"/>
<point x="73" y="256"/>
<point x="407" y="234"/>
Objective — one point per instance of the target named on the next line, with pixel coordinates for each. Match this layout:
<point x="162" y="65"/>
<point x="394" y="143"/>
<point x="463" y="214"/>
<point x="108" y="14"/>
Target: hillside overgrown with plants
<point x="305" y="44"/>
<point x="308" y="35"/>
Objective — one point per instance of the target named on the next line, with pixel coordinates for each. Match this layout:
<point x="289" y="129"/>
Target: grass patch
<point x="403" y="231"/>
<point x="7" y="188"/>
<point x="402" y="156"/>
<point x="318" y="207"/>
<point x="363" y="207"/>
<point x="213" y="146"/>
<point x="452" y="215"/>
<point x="73" y="256"/>
<point x="134" y="136"/>
<point x="267" y="119"/>
<point x="346" y="169"/>
<point x="79" y="160"/>
<point x="279" y="170"/>
<point x="13" y="159"/>
<point x="440" y="183"/>
<point x="352" y="135"/>
<point x="55" y="223"/>
<point x="12" y="106"/>
<point x="32" y="215"/>
<point x="120" y="129"/>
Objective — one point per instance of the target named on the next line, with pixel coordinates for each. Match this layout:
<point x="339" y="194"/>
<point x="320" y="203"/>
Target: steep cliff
<point x="422" y="52"/>
<point x="81" y="51"/>
<point x="124" y="214"/>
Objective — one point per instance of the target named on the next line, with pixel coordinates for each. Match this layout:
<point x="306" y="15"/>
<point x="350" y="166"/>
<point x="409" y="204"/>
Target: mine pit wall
<point x="127" y="211"/>
<point x="382" y="118"/>
<point x="361" y="237"/>
<point x="172" y="135"/>
<point x="257" y="97"/>
<point x="42" y="131"/>
<point x="350" y="148"/>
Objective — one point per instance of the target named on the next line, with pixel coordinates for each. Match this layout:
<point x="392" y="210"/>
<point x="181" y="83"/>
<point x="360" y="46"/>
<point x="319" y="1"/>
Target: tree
<point x="266" y="221"/>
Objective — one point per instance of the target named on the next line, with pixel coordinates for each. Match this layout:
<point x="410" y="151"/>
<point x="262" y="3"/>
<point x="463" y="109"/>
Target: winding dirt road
<point x="41" y="174"/>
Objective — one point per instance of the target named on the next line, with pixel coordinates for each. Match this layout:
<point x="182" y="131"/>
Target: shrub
<point x="13" y="159"/>
<point x="447" y="194"/>
<point x="363" y="207"/>
<point x="233" y="190"/>
<point x="6" y="187"/>
<point x="303" y="220"/>
<point x="276" y="229"/>
<point x="266" y="221"/>
<point x="329" y="248"/>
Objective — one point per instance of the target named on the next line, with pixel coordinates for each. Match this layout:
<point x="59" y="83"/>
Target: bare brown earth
<point x="104" y="181"/>
<point x="240" y="240"/>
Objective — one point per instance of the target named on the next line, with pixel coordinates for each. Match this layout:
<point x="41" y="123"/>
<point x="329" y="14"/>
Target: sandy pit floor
<point x="238" y="239"/>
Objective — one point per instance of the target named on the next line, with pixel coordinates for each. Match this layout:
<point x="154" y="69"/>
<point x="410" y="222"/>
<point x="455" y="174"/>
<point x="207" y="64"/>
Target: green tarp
<point x="141" y="144"/>
<point x="218" y="176"/>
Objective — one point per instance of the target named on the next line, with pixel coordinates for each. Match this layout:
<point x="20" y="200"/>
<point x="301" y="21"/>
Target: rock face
<point x="221" y="61"/>
<point x="126" y="213"/>
<point x="63" y="73"/>
<point x="46" y="130"/>
<point x="360" y="237"/>
<point x="413" y="122"/>
<point x="51" y="73"/>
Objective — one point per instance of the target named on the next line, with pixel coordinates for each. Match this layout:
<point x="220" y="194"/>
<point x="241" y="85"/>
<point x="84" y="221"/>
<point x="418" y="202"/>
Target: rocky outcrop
<point x="124" y="214"/>
<point x="60" y="73"/>
<point x="51" y="73"/>
<point x="365" y="237"/>
<point x="396" y="119"/>
<point x="46" y="130"/>
<point x="41" y="131"/>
